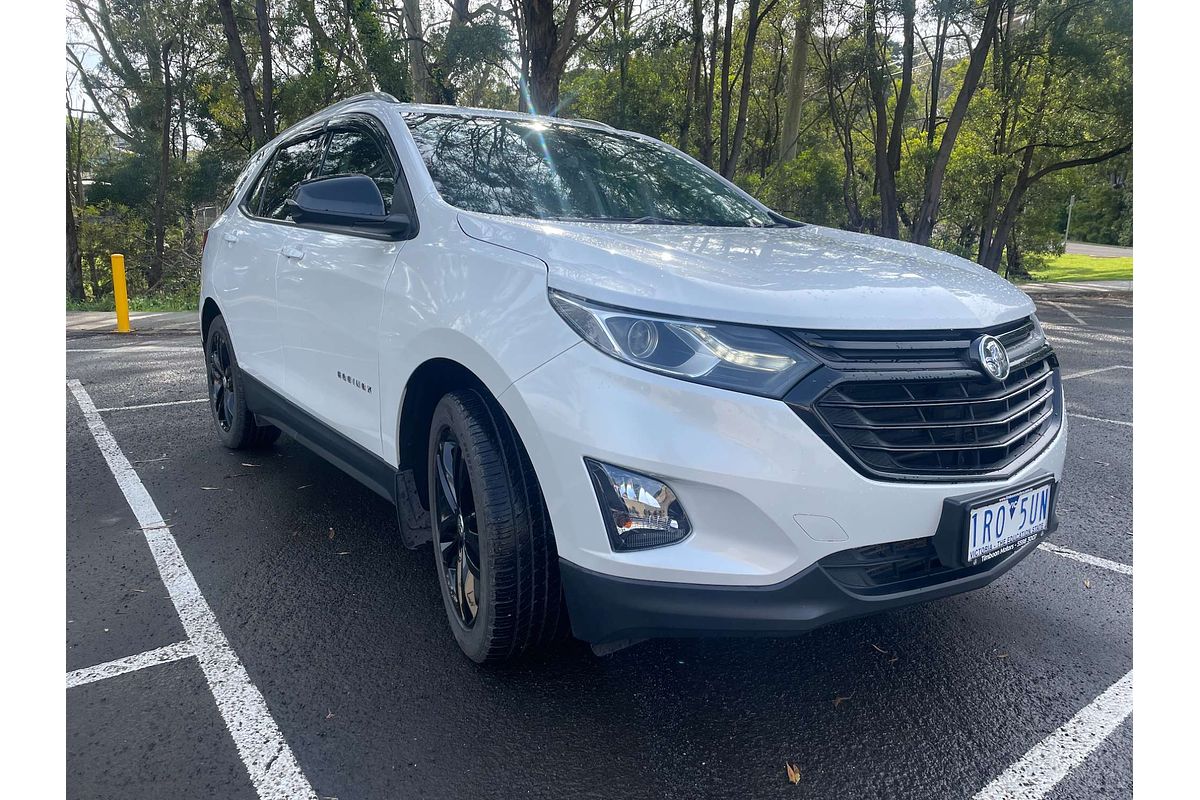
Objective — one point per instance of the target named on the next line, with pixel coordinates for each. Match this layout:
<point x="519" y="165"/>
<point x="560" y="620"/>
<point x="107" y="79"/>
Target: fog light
<point x="639" y="511"/>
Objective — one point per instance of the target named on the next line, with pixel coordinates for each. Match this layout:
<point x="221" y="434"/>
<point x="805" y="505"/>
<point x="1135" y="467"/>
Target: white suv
<point x="619" y="395"/>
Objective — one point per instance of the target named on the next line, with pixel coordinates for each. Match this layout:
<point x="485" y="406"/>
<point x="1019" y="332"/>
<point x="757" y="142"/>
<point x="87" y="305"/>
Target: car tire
<point x="235" y="423"/>
<point x="509" y="600"/>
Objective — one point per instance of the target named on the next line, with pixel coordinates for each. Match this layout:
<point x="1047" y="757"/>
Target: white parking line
<point x="162" y="348"/>
<point x="120" y="666"/>
<point x="1049" y="761"/>
<point x="1101" y="419"/>
<point x="153" y="405"/>
<point x="268" y="758"/>
<point x="1095" y="561"/>
<point x="1067" y="311"/>
<point x="1095" y="371"/>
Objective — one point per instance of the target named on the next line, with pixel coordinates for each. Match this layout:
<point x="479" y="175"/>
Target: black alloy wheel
<point x="222" y="385"/>
<point x="236" y="426"/>
<point x="456" y="530"/>
<point x="492" y="541"/>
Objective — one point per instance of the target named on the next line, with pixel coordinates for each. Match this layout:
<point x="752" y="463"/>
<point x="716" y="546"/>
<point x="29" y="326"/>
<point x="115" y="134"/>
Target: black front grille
<point x="943" y="427"/>
<point x="894" y="567"/>
<point x="914" y="350"/>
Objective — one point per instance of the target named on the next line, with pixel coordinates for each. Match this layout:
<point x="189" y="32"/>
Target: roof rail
<point x="590" y="121"/>
<point x="359" y="98"/>
<point x="340" y="104"/>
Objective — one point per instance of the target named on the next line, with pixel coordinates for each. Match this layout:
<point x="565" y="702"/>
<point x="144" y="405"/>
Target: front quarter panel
<point x="454" y="297"/>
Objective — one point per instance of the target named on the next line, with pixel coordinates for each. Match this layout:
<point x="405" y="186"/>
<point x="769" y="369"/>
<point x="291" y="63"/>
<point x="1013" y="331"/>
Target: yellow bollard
<point x="120" y="296"/>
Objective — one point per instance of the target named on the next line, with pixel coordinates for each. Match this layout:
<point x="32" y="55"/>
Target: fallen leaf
<point x="331" y="533"/>
<point x="1002" y="655"/>
<point x="838" y="699"/>
<point x="330" y="715"/>
<point x="793" y="772"/>
<point x="1087" y="584"/>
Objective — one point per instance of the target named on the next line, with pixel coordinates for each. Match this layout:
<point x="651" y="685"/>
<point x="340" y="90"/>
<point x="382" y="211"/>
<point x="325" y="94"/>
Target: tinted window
<point x="355" y="152"/>
<point x="528" y="168"/>
<point x="290" y="165"/>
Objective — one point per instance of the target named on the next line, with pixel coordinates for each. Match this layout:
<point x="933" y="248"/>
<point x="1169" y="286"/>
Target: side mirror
<point x="345" y="201"/>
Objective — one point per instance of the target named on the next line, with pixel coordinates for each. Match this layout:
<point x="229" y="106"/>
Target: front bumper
<point x="605" y="608"/>
<point x="767" y="497"/>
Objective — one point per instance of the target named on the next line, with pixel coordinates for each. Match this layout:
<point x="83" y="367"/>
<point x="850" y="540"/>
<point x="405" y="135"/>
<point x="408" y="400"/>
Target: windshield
<point x="529" y="168"/>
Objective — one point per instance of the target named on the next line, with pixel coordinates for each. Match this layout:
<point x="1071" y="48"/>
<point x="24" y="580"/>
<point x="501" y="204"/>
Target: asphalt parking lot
<point x="245" y="625"/>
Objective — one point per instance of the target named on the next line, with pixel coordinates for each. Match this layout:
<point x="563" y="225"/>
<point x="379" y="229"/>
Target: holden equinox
<point x="620" y="397"/>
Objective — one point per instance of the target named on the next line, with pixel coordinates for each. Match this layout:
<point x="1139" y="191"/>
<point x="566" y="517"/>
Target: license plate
<point x="1002" y="524"/>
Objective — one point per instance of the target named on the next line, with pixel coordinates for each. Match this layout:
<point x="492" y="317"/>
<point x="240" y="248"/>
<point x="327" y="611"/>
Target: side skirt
<point x="345" y="454"/>
<point x="349" y="456"/>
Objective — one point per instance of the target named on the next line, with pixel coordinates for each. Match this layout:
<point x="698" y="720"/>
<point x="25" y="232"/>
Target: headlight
<point x="737" y="357"/>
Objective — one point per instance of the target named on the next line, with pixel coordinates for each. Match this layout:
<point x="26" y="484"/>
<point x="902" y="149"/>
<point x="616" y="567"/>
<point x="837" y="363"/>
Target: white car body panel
<point x="472" y="288"/>
<point x="330" y="291"/>
<point x="810" y="277"/>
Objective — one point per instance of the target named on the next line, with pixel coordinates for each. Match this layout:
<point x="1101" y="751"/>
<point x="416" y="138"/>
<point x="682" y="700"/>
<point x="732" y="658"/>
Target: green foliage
<point x="1058" y="85"/>
<point x="809" y="188"/>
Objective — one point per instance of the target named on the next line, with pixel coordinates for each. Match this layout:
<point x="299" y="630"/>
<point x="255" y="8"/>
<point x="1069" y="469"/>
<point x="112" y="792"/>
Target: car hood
<point x="805" y="277"/>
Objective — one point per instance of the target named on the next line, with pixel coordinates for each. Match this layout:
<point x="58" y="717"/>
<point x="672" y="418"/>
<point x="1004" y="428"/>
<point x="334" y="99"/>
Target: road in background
<point x="1098" y="250"/>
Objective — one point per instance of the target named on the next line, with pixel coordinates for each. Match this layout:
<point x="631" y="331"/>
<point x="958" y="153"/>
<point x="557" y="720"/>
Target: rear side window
<point x="291" y="164"/>
<point x="355" y="152"/>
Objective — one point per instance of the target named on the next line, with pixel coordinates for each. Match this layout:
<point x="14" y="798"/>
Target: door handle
<point x="292" y="252"/>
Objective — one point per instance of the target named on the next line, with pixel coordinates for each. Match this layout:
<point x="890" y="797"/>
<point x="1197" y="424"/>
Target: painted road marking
<point x="1067" y="311"/>
<point x="268" y="758"/>
<point x="1049" y="761"/>
<point x="162" y="348"/>
<point x="1101" y="419"/>
<point x="120" y="666"/>
<point x="1095" y="561"/>
<point x="1096" y="371"/>
<point x="153" y="405"/>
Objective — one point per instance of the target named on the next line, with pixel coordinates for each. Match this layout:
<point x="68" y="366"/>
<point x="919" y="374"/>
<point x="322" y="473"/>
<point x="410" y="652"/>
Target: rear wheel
<point x="492" y="540"/>
<point x="235" y="423"/>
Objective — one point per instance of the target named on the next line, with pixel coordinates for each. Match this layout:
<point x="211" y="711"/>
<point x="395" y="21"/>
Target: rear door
<point x="250" y="244"/>
<point x="330" y="289"/>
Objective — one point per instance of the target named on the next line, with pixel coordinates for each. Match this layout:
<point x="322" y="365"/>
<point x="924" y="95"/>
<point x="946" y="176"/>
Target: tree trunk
<point x="154" y="275"/>
<point x="710" y="86"/>
<point x="754" y="20"/>
<point x="885" y="179"/>
<point x="797" y="73"/>
<point x="935" y="75"/>
<point x="726" y="66"/>
<point x="241" y="69"/>
<point x="74" y="258"/>
<point x="927" y="215"/>
<point x="418" y="62"/>
<point x="263" y="15"/>
<point x="694" y="81"/>
<point x="549" y="44"/>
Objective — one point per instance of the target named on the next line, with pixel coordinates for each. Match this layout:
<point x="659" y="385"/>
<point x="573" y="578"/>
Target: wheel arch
<point x="208" y="312"/>
<point x="428" y="383"/>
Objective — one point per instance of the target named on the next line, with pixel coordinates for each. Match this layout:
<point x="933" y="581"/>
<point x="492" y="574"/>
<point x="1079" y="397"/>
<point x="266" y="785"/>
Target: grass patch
<point x="1073" y="267"/>
<point x="182" y="301"/>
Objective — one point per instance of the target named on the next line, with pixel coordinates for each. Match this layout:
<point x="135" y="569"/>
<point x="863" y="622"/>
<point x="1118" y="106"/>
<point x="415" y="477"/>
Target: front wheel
<point x="492" y="540"/>
<point x="235" y="423"/>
